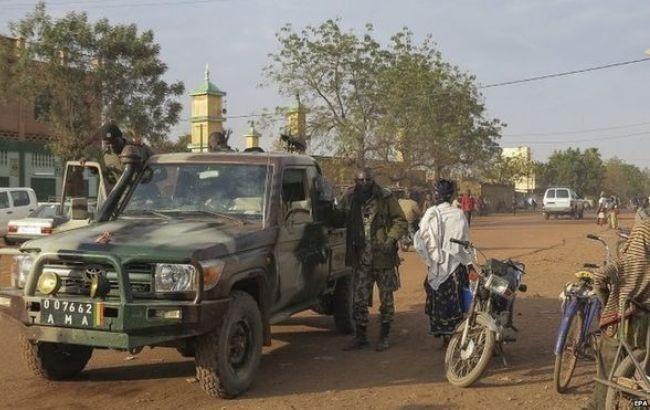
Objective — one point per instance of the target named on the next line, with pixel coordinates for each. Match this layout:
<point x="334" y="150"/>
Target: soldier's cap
<point x="110" y="132"/>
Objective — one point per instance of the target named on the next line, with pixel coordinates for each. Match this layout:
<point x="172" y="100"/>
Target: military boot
<point x="383" y="337"/>
<point x="360" y="340"/>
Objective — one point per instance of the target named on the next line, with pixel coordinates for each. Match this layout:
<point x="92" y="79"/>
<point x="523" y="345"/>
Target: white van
<point x="562" y="201"/>
<point x="15" y="203"/>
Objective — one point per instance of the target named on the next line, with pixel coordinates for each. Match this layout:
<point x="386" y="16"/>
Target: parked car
<point x="43" y="221"/>
<point x="15" y="203"/>
<point x="563" y="201"/>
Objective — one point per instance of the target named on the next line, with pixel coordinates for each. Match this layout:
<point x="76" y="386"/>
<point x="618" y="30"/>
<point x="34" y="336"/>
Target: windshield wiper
<point x="223" y="215"/>
<point x="146" y="212"/>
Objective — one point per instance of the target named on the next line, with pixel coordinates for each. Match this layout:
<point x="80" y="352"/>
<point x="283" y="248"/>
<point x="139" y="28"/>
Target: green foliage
<point x="88" y="72"/>
<point x="581" y="170"/>
<point x="166" y="146"/>
<point x="625" y="180"/>
<point x="508" y="170"/>
<point x="402" y="104"/>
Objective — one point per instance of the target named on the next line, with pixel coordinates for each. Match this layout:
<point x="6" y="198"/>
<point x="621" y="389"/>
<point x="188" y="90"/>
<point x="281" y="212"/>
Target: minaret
<point x="297" y="120"/>
<point x="207" y="113"/>
<point x="252" y="137"/>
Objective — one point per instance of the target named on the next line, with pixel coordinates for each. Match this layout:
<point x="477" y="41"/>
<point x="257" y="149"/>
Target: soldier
<point x="374" y="223"/>
<point x="113" y="142"/>
<point x="218" y="142"/>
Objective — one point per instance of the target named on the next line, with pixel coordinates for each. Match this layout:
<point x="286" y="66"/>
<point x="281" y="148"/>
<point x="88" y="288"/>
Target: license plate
<point x="30" y="230"/>
<point x="65" y="313"/>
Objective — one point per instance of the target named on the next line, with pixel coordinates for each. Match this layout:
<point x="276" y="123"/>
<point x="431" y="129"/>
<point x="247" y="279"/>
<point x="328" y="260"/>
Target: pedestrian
<point x="428" y="202"/>
<point x="601" y="213"/>
<point x="467" y="205"/>
<point x="612" y="211"/>
<point x="411" y="211"/>
<point x="374" y="223"/>
<point x="642" y="212"/>
<point x="447" y="262"/>
<point x="514" y="205"/>
<point x="626" y="279"/>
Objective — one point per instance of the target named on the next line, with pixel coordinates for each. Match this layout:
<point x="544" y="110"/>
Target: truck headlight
<point x="20" y="269"/>
<point x="174" y="278"/>
<point x="212" y="270"/>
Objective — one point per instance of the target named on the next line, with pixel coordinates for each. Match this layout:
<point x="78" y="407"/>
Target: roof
<point x="207" y="87"/>
<point x="258" y="158"/>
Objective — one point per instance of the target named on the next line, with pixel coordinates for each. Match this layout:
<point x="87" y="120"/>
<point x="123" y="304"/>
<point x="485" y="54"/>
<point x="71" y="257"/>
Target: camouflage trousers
<point x="364" y="281"/>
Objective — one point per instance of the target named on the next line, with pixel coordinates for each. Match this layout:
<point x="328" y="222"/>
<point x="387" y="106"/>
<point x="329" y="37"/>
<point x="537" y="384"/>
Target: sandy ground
<point x="306" y="368"/>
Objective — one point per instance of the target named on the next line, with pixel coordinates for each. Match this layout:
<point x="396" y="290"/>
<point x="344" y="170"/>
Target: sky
<point x="495" y="40"/>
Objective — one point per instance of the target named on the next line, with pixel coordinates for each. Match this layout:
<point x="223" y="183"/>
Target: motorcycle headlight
<point x="174" y="278"/>
<point x="20" y="269"/>
<point x="497" y="285"/>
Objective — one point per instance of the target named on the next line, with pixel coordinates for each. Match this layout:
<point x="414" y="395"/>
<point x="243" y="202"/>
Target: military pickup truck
<point x="201" y="252"/>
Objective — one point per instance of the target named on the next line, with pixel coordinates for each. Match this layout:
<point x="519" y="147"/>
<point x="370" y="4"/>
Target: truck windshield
<point x="201" y="190"/>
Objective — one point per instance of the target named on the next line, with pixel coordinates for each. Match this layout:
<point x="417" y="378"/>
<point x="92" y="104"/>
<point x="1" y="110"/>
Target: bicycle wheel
<point x="565" y="362"/>
<point x="627" y="375"/>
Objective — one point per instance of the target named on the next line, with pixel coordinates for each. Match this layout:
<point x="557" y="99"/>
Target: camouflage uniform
<point x="113" y="166"/>
<point x="375" y="262"/>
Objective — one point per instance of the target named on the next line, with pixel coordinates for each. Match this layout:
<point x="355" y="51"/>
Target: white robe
<point x="439" y="224"/>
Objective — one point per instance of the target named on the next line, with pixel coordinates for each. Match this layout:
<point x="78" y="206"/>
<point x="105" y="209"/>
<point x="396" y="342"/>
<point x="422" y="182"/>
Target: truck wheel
<point x="55" y="361"/>
<point x="342" y="305"/>
<point x="227" y="358"/>
<point x="546" y="215"/>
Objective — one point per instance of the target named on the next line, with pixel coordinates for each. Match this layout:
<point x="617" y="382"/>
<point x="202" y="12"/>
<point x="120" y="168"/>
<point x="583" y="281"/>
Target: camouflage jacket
<point x="113" y="166"/>
<point x="383" y="225"/>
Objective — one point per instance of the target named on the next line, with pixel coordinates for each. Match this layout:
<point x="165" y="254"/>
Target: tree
<point x="167" y="146"/>
<point x="582" y="171"/>
<point x="432" y="114"/>
<point x="399" y="105"/>
<point x="89" y="72"/>
<point x="508" y="170"/>
<point x="625" y="180"/>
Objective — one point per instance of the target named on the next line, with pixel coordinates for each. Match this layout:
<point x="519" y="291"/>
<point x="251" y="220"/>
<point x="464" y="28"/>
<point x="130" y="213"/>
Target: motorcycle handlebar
<point x="464" y="244"/>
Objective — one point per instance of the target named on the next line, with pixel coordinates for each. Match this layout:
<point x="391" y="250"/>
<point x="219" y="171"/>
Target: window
<point x="295" y="195"/>
<point x="4" y="200"/>
<point x="42" y="107"/>
<point x="20" y="198"/>
<point x="550" y="193"/>
<point x="562" y="193"/>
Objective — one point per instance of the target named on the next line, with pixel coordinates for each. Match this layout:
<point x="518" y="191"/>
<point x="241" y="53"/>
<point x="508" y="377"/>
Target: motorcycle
<point x="488" y="324"/>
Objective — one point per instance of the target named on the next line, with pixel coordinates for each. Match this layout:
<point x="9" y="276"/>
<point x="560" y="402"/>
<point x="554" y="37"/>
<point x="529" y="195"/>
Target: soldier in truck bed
<point x="113" y="142"/>
<point x="374" y="222"/>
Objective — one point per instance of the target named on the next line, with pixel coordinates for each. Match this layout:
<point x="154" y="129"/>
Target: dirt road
<point x="305" y="367"/>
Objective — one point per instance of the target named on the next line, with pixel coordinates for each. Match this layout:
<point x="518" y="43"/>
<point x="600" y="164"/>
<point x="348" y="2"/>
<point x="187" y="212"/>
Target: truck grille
<point x="75" y="281"/>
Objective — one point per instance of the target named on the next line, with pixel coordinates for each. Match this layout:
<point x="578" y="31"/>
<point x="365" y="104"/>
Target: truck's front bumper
<point x="128" y="326"/>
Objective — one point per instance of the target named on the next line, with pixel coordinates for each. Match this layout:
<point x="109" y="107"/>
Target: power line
<point x="608" y="138"/>
<point x="565" y="73"/>
<point x="572" y="132"/>
<point x="96" y="5"/>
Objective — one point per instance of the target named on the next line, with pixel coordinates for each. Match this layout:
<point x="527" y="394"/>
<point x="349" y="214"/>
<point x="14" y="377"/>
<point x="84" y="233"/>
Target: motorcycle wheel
<point x="465" y="366"/>
<point x="565" y="362"/>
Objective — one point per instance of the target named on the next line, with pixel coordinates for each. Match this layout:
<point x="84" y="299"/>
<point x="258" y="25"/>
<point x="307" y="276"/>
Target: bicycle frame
<point x="623" y="346"/>
<point x="591" y="308"/>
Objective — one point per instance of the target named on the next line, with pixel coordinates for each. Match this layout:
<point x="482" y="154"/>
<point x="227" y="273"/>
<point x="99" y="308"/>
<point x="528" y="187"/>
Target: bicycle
<point x="576" y="337"/>
<point x="628" y="381"/>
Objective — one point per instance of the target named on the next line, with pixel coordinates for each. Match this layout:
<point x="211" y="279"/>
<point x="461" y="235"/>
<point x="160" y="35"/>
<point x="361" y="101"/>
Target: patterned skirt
<point x="443" y="306"/>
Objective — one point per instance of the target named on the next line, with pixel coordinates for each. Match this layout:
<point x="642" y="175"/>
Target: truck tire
<point x="54" y="361"/>
<point x="342" y="305"/>
<point x="546" y="215"/>
<point x="228" y="357"/>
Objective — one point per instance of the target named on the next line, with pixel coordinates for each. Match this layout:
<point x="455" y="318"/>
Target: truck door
<point x="300" y="255"/>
